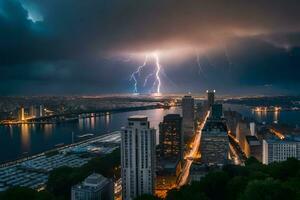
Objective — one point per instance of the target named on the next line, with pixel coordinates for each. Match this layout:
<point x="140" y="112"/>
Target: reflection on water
<point x="48" y="128"/>
<point x="25" y="137"/>
<point x="278" y="116"/>
<point x="16" y="140"/>
<point x="107" y="118"/>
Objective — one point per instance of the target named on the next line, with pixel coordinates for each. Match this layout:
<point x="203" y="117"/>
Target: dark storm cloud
<point x="73" y="38"/>
<point x="94" y="26"/>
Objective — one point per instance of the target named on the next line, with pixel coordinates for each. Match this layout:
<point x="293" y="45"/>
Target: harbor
<point x="33" y="171"/>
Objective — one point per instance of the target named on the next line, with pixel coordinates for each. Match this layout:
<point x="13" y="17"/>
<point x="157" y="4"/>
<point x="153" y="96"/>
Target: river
<point x="17" y="141"/>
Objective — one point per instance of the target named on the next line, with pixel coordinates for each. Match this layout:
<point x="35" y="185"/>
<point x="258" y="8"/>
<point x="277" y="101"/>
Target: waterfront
<point x="282" y="117"/>
<point x="33" y="171"/>
<point x="18" y="141"/>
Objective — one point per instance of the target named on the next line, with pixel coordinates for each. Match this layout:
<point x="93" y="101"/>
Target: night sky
<point x="70" y="47"/>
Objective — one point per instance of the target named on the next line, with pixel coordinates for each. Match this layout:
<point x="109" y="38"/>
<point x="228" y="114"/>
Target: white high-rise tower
<point x="137" y="158"/>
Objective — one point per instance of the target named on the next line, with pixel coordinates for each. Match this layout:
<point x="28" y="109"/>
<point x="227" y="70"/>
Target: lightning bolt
<point x="157" y="73"/>
<point x="138" y="71"/>
<point x="200" y="69"/>
<point x="147" y="78"/>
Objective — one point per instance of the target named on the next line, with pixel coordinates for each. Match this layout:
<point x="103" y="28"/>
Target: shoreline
<point x="20" y="160"/>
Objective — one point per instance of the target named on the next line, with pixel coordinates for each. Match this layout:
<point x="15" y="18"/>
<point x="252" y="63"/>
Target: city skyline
<point x="149" y="99"/>
<point x="75" y="47"/>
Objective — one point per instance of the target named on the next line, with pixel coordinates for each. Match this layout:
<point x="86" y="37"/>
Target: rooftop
<point x="252" y="140"/>
<point x="215" y="125"/>
<point x="287" y="139"/>
<point x="172" y="116"/>
<point x="93" y="182"/>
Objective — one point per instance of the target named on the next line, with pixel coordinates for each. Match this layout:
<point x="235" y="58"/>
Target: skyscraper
<point x="188" y="115"/>
<point x="216" y="111"/>
<point x="210" y="97"/>
<point x="32" y="111"/>
<point x="41" y="109"/>
<point x="137" y="158"/>
<point x="21" y="114"/>
<point x="171" y="140"/>
<point x="214" y="143"/>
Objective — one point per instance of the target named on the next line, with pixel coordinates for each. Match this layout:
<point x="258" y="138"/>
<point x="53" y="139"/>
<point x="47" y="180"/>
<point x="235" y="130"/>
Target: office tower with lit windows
<point x="171" y="140"/>
<point x="188" y="116"/>
<point x="138" y="147"/>
<point x="21" y="114"/>
<point x="214" y="144"/>
<point x="171" y="145"/>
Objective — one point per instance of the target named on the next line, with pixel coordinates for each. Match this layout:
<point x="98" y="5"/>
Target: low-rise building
<point x="94" y="187"/>
<point x="253" y="147"/>
<point x="276" y="150"/>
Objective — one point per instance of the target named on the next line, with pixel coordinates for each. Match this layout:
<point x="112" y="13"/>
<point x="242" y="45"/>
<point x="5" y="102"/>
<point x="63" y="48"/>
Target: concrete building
<point x="171" y="139"/>
<point x="214" y="143"/>
<point x="210" y="97"/>
<point x="188" y="116"/>
<point x="242" y="130"/>
<point x="41" y="111"/>
<point x="94" y="187"/>
<point x="21" y="114"/>
<point x="253" y="147"/>
<point x="276" y="150"/>
<point x="138" y="158"/>
<point x="232" y="118"/>
<point x="252" y="128"/>
<point x="216" y="111"/>
<point x="200" y="111"/>
<point x="32" y="111"/>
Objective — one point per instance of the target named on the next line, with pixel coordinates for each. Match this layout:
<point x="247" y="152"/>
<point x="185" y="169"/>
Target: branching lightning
<point x="200" y="69"/>
<point x="147" y="78"/>
<point x="156" y="74"/>
<point x="138" y="71"/>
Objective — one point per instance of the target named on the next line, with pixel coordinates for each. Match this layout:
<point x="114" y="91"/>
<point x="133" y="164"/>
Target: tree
<point x="147" y="197"/>
<point x="17" y="193"/>
<point x="62" y="179"/>
<point x="268" y="189"/>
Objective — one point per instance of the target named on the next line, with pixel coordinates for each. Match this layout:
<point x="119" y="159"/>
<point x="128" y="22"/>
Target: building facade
<point x="253" y="147"/>
<point x="138" y="158"/>
<point x="94" y="187"/>
<point x="216" y="111"/>
<point x="188" y="116"/>
<point x="171" y="139"/>
<point x="210" y="98"/>
<point x="21" y="114"/>
<point x="276" y="150"/>
<point x="214" y="147"/>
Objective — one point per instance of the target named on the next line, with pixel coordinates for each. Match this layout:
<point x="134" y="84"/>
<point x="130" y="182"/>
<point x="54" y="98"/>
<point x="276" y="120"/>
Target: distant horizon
<point x="153" y="95"/>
